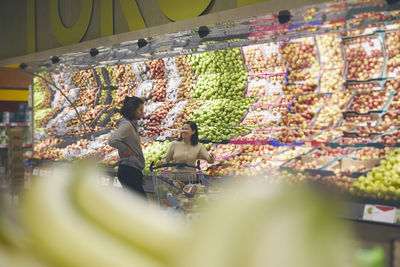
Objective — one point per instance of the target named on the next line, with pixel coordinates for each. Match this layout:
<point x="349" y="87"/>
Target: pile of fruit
<point x="271" y="101"/>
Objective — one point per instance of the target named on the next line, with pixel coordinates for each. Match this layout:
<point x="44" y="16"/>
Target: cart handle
<point x="178" y="165"/>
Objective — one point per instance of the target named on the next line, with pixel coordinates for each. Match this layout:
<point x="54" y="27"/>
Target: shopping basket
<point x="178" y="185"/>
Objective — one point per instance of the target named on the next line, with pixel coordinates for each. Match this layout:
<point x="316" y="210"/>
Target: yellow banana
<point x="16" y="258"/>
<point x="129" y="217"/>
<point x="11" y="234"/>
<point x="61" y="235"/>
<point x="255" y="228"/>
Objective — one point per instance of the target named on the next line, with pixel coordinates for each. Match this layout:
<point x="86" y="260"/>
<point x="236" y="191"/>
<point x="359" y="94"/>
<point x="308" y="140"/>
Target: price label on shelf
<point x="36" y="171"/>
<point x="42" y="172"/>
<point x="379" y="213"/>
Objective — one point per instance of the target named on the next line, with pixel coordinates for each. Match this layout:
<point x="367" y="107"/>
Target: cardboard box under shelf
<point x="15" y="158"/>
<point x="345" y="163"/>
<point x="15" y="166"/>
<point x="321" y="161"/>
<point x="14" y="133"/>
<point x="14" y="144"/>
<point x="14" y="175"/>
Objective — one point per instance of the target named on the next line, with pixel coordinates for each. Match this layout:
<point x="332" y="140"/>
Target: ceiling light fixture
<point x="203" y="31"/>
<point x="284" y="16"/>
<point x="55" y="59"/>
<point x="141" y="43"/>
<point x="94" y="52"/>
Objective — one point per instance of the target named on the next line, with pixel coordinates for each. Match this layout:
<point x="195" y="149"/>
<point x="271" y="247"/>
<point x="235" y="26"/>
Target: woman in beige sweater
<point x="188" y="149"/>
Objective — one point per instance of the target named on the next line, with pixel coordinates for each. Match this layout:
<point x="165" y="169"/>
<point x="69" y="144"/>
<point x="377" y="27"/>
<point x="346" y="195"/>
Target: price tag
<point x="42" y="172"/>
<point x="379" y="213"/>
<point x="35" y="171"/>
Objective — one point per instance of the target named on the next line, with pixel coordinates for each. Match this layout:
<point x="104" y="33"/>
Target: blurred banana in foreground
<point x="13" y="241"/>
<point x="260" y="226"/>
<point x="130" y="218"/>
<point x="62" y="235"/>
<point x="70" y="220"/>
<point x="18" y="258"/>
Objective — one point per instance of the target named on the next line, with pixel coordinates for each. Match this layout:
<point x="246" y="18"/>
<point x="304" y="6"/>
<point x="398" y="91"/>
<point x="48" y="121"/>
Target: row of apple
<point x="87" y="98"/>
<point x="361" y="103"/>
<point x="231" y="158"/>
<point x="301" y="114"/>
<point x="244" y="160"/>
<point x="202" y="67"/>
<point x="299" y="54"/>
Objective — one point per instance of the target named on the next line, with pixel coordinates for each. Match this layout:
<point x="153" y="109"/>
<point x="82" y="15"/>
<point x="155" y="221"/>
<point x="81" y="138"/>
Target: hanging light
<point x="203" y="31"/>
<point x="55" y="59"/>
<point x="141" y="43"/>
<point x="94" y="52"/>
<point x="284" y="16"/>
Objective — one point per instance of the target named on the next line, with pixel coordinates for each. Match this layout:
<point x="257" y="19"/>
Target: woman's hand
<point x="161" y="162"/>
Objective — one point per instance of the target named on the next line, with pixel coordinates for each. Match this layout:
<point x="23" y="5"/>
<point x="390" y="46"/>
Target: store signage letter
<point x="177" y="10"/>
<point x="74" y="34"/>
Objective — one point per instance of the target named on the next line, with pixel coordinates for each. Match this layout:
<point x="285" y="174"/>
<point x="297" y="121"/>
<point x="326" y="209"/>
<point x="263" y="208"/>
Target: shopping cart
<point x="179" y="186"/>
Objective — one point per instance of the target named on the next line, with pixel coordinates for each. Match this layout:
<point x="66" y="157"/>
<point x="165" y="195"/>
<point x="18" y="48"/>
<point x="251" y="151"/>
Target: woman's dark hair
<point x="194" y="140"/>
<point x="131" y="104"/>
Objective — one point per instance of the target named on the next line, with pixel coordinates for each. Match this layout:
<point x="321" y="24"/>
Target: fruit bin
<point x="254" y="117"/>
<point x="256" y="86"/>
<point x="330" y="51"/>
<point x="390" y="118"/>
<point x="254" y="60"/>
<point x="377" y="102"/>
<point x="367" y="153"/>
<point x="299" y="89"/>
<point x="356" y="142"/>
<point x="309" y="76"/>
<point x="364" y="51"/>
<point x="353" y="119"/>
<point x="392" y="85"/>
<point x="394" y="103"/>
<point x="269" y="31"/>
<point x="306" y="164"/>
<point x="84" y="79"/>
<point x="299" y="53"/>
<point x="368" y="131"/>
<point x="103" y="110"/>
<point x="359" y="87"/>
<point x="392" y="39"/>
<point x="390" y="139"/>
<point x="286" y="136"/>
<point x="268" y="101"/>
<point x="173" y="113"/>
<point x="351" y="167"/>
<point x="274" y="60"/>
<point x="274" y="115"/>
<point x="231" y="166"/>
<point x="331" y="81"/>
<point x="275" y="83"/>
<point x="366" y="18"/>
